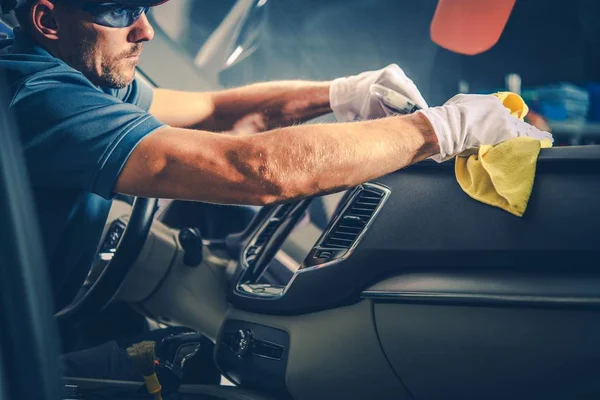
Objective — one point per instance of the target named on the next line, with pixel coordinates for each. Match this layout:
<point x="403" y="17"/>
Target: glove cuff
<point x="438" y="117"/>
<point x="341" y="95"/>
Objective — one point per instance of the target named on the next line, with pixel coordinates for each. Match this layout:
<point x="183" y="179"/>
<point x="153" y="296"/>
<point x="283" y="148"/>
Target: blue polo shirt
<point x="76" y="139"/>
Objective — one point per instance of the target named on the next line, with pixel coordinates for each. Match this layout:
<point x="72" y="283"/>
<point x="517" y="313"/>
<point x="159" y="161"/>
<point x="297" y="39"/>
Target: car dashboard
<point x="410" y="241"/>
<point x="394" y="275"/>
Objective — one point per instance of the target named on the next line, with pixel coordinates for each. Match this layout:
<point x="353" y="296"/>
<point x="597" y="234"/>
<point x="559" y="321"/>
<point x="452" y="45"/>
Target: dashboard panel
<point x="426" y="223"/>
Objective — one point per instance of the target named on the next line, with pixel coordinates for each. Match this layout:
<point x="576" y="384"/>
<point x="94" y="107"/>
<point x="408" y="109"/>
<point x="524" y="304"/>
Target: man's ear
<point x="43" y="13"/>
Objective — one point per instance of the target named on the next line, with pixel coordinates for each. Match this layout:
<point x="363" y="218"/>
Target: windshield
<point x="549" y="51"/>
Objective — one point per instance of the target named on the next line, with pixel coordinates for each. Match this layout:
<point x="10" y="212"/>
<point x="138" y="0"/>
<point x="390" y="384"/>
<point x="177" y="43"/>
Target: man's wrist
<point x="341" y="95"/>
<point x="431" y="144"/>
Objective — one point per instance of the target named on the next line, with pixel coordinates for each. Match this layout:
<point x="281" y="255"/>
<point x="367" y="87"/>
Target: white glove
<point x="466" y="122"/>
<point x="351" y="98"/>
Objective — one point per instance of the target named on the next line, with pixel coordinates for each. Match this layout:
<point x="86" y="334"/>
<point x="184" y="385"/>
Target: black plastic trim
<point x="429" y="224"/>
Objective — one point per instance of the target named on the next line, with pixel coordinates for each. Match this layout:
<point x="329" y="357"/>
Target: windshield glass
<point x="549" y="51"/>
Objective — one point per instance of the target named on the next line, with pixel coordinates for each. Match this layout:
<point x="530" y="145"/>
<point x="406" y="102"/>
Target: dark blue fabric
<point x="76" y="139"/>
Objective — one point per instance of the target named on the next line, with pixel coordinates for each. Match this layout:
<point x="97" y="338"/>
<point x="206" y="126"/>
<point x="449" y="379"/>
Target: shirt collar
<point x="24" y="43"/>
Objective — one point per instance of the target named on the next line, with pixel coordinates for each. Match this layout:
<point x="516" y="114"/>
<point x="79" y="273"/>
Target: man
<point x="90" y="130"/>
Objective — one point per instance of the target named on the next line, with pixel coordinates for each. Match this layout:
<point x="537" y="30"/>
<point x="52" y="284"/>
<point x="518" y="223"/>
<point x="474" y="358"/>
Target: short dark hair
<point x="22" y="12"/>
<point x="22" y="15"/>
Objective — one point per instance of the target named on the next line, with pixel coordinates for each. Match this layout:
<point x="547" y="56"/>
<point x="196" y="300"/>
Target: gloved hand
<point x="351" y="100"/>
<point x="466" y="122"/>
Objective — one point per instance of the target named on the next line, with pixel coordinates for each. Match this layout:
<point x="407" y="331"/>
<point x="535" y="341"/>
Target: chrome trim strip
<point x="479" y="298"/>
<point x="241" y="287"/>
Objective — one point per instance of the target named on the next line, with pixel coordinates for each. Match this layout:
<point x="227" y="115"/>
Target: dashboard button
<point x="243" y="341"/>
<point x="268" y="350"/>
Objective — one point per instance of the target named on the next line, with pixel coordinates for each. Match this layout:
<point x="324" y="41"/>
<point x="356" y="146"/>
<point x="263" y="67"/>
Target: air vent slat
<point x="370" y="200"/>
<point x="356" y="224"/>
<point x="351" y="225"/>
<point x="362" y="209"/>
<point x="336" y="246"/>
<point x="364" y="217"/>
<point x="367" y="204"/>
<point x="348" y="230"/>
<point x="342" y="238"/>
<point x="361" y="213"/>
<point x="367" y="193"/>
<point x="345" y="234"/>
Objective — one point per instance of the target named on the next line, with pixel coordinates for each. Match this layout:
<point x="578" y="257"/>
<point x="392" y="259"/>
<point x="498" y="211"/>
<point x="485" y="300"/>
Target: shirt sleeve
<point x="74" y="135"/>
<point x="138" y="93"/>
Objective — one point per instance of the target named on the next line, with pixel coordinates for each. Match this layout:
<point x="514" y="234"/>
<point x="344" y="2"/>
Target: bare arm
<point x="274" y="166"/>
<point x="249" y="109"/>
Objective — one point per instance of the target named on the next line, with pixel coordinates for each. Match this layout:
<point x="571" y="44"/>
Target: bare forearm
<point x="267" y="106"/>
<point x="182" y="109"/>
<point x="275" y="166"/>
<point x="324" y="158"/>
<point x="249" y="109"/>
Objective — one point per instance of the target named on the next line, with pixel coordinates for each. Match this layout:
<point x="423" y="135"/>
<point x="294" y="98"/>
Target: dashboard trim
<point x="503" y="288"/>
<point x="481" y="299"/>
<point x="244" y="289"/>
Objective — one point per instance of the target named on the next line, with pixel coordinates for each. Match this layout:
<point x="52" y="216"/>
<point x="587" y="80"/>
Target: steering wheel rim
<point x="106" y="286"/>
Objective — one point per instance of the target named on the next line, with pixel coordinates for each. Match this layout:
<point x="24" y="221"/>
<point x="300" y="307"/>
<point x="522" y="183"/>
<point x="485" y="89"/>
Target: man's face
<point x="106" y="56"/>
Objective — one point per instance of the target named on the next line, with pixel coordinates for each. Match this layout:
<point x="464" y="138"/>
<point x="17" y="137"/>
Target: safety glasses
<point x="110" y="14"/>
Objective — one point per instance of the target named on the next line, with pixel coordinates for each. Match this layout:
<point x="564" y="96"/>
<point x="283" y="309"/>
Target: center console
<point x="254" y="355"/>
<point x="286" y="266"/>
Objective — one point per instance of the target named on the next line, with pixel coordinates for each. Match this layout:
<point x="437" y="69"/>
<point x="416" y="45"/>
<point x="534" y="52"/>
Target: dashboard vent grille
<point x="354" y="219"/>
<point x="280" y="214"/>
<point x="269" y="230"/>
<point x="284" y="210"/>
<point x="254" y="251"/>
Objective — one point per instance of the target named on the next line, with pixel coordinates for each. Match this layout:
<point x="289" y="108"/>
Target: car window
<point x="549" y="51"/>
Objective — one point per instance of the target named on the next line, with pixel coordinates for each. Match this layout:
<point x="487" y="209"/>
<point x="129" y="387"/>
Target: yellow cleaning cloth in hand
<point x="502" y="175"/>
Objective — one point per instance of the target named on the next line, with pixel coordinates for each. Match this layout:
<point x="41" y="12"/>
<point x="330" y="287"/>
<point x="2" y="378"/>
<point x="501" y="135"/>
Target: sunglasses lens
<point x="119" y="17"/>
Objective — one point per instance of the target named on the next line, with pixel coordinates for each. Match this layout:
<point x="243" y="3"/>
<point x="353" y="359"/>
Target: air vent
<point x="267" y="232"/>
<point x="254" y="251"/>
<point x="284" y="210"/>
<point x="354" y="219"/>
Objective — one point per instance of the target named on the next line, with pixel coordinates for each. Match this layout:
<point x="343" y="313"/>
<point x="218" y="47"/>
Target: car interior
<point x="400" y="288"/>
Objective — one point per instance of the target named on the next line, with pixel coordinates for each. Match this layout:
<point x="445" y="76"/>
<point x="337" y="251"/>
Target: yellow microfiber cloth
<point x="502" y="175"/>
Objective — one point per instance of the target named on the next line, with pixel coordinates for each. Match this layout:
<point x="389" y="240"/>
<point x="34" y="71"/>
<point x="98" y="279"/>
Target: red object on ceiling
<point x="469" y="26"/>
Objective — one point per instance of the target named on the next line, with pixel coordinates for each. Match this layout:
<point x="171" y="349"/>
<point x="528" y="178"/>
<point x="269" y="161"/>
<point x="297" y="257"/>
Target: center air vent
<point x="355" y="218"/>
<point x="254" y="250"/>
<point x="267" y="232"/>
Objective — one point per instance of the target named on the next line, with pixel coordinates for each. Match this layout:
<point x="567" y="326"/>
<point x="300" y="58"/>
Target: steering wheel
<point x="128" y="247"/>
